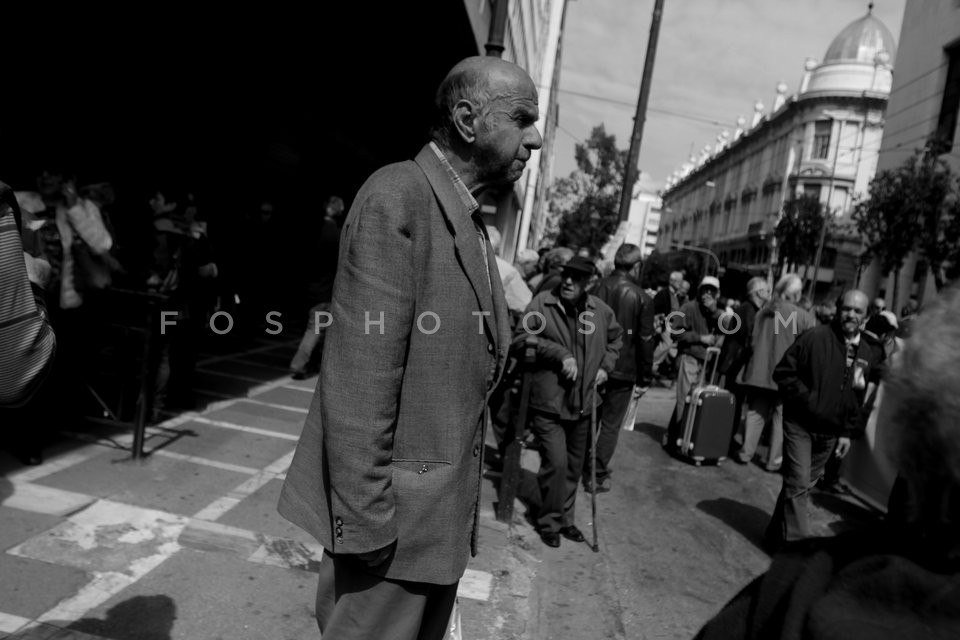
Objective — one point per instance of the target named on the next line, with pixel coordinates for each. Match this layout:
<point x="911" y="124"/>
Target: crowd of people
<point x="100" y="256"/>
<point x="394" y="436"/>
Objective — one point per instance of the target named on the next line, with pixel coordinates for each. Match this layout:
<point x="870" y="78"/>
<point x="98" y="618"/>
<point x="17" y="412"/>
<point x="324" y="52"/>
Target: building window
<point x="821" y="140"/>
<point x="812" y="190"/>
<point x="949" y="108"/>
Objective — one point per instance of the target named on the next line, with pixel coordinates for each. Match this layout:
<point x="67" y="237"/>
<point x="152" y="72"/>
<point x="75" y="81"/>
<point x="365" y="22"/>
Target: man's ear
<point x="465" y="120"/>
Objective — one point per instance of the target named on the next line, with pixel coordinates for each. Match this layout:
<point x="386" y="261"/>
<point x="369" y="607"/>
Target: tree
<point x="587" y="202"/>
<point x="798" y="232"/>
<point x="912" y="208"/>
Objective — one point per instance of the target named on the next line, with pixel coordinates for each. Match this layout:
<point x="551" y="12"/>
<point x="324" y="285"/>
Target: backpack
<point x="27" y="341"/>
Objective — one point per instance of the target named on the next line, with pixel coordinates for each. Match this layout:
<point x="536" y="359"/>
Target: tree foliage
<point x="586" y="203"/>
<point x="799" y="229"/>
<point x="913" y="208"/>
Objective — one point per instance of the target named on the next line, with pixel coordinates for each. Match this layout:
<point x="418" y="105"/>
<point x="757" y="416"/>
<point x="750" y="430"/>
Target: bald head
<point x="852" y="312"/>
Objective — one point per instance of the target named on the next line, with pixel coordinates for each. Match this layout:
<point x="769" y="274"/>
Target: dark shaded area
<point x="287" y="104"/>
<point x="854" y="515"/>
<point x="653" y="431"/>
<point x="139" y="618"/>
<point x="746" y="519"/>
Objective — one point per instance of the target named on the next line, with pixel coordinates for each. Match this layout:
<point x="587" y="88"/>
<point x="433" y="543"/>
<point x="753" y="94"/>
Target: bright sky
<point x="715" y="58"/>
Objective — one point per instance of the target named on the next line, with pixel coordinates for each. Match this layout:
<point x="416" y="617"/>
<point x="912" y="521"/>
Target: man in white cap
<point x="695" y="330"/>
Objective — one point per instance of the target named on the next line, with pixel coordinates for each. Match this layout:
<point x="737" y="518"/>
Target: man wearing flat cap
<point x="578" y="341"/>
<point x="695" y="330"/>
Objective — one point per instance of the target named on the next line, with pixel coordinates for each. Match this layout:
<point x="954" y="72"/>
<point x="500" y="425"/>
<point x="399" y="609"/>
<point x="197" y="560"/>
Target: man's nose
<point x="535" y="140"/>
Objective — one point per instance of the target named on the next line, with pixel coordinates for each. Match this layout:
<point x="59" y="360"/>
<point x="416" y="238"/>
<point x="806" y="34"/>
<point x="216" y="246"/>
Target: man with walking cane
<point x="578" y="341"/>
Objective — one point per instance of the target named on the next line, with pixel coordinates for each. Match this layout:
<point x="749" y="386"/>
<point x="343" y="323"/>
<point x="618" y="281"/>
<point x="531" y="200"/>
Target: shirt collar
<point x="466" y="198"/>
<point x="855" y="340"/>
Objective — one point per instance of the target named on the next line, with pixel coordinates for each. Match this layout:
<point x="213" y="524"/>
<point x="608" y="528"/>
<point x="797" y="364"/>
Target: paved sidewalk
<point x="187" y="544"/>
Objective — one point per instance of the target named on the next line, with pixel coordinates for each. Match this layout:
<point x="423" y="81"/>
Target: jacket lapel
<point x="466" y="241"/>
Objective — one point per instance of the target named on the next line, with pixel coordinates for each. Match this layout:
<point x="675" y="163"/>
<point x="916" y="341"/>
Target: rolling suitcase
<point x="705" y="429"/>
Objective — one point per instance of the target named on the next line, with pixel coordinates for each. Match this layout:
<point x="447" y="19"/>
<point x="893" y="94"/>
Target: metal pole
<point x="826" y="219"/>
<point x="683" y="247"/>
<point x="498" y="26"/>
<point x="633" y="156"/>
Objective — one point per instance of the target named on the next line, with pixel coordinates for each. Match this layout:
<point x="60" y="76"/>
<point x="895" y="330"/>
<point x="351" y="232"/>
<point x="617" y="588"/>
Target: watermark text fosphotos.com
<point x="429" y="322"/>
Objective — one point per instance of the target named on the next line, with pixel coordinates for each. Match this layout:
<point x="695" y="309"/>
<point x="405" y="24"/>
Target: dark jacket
<point x="817" y="386"/>
<point x="693" y="323"/>
<point x="634" y="311"/>
<point x="595" y="343"/>
<point x="870" y="585"/>
<point x="736" y="345"/>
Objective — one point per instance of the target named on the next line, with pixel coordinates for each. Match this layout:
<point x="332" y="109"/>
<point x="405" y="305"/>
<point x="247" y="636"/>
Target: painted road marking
<point x="10" y="623"/>
<point x="284" y="407"/>
<point x="239" y="427"/>
<point x="118" y="543"/>
<point x="220" y="506"/>
<point x="40" y="499"/>
<point x="295" y="388"/>
<point x="206" y="462"/>
<point x="229" y="375"/>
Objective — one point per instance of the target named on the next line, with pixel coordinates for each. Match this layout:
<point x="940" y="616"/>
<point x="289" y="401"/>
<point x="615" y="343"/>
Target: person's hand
<point x="601" y="377"/>
<point x="708" y="339"/>
<point x="39" y="271"/>
<point x="843" y="446"/>
<point x="378" y="557"/>
<point x="569" y="368"/>
<point x="639" y="390"/>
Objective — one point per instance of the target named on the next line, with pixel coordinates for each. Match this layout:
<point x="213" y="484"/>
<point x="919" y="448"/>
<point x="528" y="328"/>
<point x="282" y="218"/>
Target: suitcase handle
<point x="703" y="370"/>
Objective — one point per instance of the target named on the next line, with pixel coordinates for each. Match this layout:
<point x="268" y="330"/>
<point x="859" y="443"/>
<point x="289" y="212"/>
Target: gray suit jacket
<point x="392" y="446"/>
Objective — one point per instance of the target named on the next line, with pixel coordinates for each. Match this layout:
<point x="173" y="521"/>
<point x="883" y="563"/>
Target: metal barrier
<point x="131" y="322"/>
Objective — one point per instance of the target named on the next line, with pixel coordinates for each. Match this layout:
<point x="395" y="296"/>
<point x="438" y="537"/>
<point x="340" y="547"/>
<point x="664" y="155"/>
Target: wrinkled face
<point x="573" y="284"/>
<point x="506" y="131"/>
<point x="853" y="310"/>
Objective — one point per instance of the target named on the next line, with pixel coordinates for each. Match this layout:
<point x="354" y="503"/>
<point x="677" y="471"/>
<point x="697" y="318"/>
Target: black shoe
<point x="550" y="538"/>
<point x="572" y="533"/>
<point x="298" y="375"/>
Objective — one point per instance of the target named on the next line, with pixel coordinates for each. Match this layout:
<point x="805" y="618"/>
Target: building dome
<point x="861" y="41"/>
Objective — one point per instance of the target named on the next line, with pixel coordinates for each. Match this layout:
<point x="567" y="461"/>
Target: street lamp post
<point x="687" y="247"/>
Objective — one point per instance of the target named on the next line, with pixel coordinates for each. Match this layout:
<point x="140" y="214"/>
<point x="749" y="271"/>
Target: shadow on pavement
<point x="653" y="431"/>
<point x="852" y="514"/>
<point x="748" y="520"/>
<point x="139" y="618"/>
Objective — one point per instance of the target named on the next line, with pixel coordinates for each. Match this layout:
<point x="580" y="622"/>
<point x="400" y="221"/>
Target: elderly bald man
<point x="823" y="380"/>
<point x="387" y="471"/>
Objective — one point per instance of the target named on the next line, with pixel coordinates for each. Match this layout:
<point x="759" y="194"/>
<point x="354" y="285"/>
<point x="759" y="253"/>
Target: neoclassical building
<point x="822" y="141"/>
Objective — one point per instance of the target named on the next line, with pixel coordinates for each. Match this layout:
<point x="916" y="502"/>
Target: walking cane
<point x="593" y="466"/>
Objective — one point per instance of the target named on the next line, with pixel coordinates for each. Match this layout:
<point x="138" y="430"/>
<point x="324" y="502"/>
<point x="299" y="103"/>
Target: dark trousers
<point x="615" y="404"/>
<point x="563" y="445"/>
<point x="355" y="605"/>
<point x="805" y="455"/>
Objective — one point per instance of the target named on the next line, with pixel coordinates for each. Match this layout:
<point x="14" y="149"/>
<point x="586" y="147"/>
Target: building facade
<point x="924" y="105"/>
<point x="823" y="142"/>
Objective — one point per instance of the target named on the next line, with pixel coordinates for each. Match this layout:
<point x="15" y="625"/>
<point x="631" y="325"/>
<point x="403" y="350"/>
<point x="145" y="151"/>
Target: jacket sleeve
<point x="645" y="343"/>
<point x="787" y="374"/>
<point x="688" y="335"/>
<point x="548" y="351"/>
<point x="373" y="303"/>
<point x="614" y="342"/>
